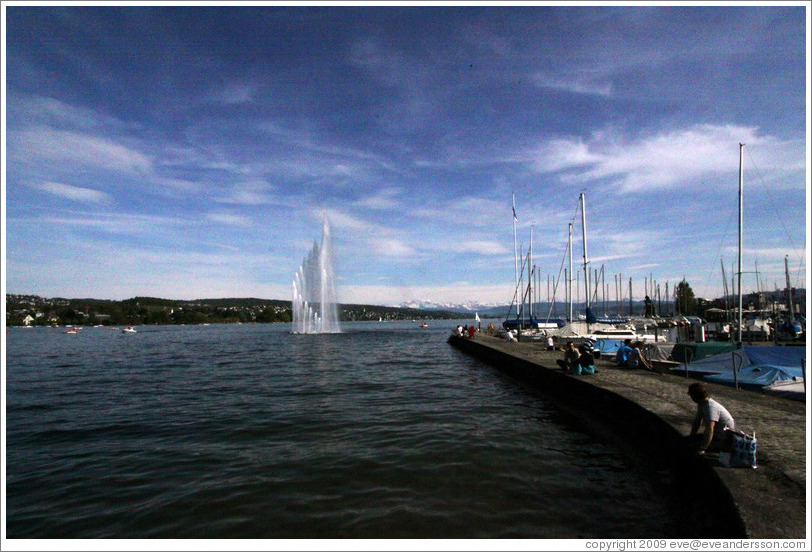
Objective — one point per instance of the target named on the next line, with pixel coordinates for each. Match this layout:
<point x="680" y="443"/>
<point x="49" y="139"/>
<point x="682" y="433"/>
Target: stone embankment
<point x="647" y="413"/>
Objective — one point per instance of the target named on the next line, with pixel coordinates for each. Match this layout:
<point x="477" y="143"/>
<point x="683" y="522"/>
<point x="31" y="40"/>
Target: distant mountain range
<point x="468" y="307"/>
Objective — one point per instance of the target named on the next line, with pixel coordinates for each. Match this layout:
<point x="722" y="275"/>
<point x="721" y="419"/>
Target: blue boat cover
<point x="758" y="375"/>
<point x="608" y="346"/>
<point x="758" y="365"/>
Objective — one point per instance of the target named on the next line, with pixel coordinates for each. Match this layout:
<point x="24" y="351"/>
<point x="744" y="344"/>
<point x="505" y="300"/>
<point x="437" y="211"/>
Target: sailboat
<point x="523" y="296"/>
<point x="790" y="328"/>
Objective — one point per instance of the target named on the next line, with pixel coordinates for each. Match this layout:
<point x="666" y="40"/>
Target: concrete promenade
<point x="767" y="502"/>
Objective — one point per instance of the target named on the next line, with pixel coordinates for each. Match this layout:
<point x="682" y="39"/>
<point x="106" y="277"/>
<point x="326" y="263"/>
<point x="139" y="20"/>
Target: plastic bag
<point x="743" y="451"/>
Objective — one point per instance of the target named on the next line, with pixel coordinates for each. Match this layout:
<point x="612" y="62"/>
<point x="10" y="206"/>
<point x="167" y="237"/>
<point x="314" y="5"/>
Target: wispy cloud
<point x="483" y="247"/>
<point x="229" y="219"/>
<point x="380" y="200"/>
<point x="675" y="157"/>
<point x="577" y="85"/>
<point x="42" y="111"/>
<point x="392" y="248"/>
<point x="34" y="146"/>
<point x="111" y="222"/>
<point x="249" y="193"/>
<point x="74" y="193"/>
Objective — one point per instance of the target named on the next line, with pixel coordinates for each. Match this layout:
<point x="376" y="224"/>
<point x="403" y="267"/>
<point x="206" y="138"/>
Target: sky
<point x="190" y="152"/>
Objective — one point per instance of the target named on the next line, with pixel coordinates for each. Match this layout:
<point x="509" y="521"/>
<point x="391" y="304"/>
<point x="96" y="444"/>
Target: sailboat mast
<point x="724" y="285"/>
<point x="569" y="280"/>
<point x="531" y="268"/>
<point x="515" y="248"/>
<point x="789" y="290"/>
<point x="586" y="261"/>
<point x="739" y="277"/>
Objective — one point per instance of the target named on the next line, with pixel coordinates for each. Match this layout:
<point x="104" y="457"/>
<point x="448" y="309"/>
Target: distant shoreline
<point x="42" y="311"/>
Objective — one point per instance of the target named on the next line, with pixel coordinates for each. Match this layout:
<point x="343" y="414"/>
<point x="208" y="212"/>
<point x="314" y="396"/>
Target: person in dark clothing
<point x="586" y="361"/>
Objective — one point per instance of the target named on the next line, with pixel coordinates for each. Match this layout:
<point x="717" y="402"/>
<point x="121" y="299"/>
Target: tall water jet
<point x="314" y="294"/>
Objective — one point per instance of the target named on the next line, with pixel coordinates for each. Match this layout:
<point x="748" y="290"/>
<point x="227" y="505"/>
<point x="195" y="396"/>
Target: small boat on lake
<point x="128" y="329"/>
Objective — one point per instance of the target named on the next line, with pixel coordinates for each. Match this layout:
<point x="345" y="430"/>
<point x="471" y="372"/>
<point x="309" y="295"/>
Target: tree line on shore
<point x="32" y="310"/>
<point x="38" y="311"/>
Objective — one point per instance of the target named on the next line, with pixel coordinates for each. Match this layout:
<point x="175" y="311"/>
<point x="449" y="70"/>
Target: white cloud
<point x="462" y="292"/>
<point x="34" y="146"/>
<point x="114" y="223"/>
<point x="466" y="211"/>
<point x="229" y="219"/>
<point x="42" y="110"/>
<point x="391" y="247"/>
<point x="482" y="247"/>
<point x="563" y="154"/>
<point x="683" y="157"/>
<point x="380" y="201"/>
<point x="577" y="85"/>
<point x="249" y="193"/>
<point x="74" y="193"/>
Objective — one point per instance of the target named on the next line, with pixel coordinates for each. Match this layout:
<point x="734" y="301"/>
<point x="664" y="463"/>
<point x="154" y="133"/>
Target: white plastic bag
<point x="743" y="451"/>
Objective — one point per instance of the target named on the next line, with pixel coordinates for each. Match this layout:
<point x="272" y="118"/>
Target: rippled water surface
<point x="382" y="431"/>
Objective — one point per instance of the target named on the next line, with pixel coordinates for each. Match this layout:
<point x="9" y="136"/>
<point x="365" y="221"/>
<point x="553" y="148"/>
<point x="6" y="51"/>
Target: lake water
<point x="248" y="431"/>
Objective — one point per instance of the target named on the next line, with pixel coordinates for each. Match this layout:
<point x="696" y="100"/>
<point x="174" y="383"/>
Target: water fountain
<point x="314" y="295"/>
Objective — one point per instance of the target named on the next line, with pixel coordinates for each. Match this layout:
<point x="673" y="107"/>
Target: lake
<point x="249" y="431"/>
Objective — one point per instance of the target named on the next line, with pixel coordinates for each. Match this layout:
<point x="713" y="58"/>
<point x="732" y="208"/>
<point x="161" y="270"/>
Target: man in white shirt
<point x="713" y="415"/>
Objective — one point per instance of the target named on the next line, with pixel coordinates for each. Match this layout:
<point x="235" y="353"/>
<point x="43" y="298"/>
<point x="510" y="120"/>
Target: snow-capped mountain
<point x="468" y="306"/>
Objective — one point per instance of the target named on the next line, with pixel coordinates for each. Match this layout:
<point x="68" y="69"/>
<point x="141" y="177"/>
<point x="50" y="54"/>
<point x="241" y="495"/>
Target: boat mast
<point x="631" y="307"/>
<point x="531" y="273"/>
<point x="724" y="285"/>
<point x="515" y="249"/>
<point x="586" y="262"/>
<point x="739" y="277"/>
<point x="789" y="290"/>
<point x="569" y="280"/>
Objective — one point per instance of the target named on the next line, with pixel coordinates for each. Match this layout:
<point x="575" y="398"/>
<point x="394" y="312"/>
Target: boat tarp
<point x="757" y="365"/>
<point x="692" y="352"/>
<point x="608" y="346"/>
<point x="659" y="351"/>
<point x="580" y="329"/>
<point x="758" y="375"/>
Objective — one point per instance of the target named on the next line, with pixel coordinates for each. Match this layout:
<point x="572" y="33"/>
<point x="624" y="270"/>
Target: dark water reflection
<point x="383" y="431"/>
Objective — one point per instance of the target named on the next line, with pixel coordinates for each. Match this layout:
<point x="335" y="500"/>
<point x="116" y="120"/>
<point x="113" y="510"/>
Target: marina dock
<point x="645" y="414"/>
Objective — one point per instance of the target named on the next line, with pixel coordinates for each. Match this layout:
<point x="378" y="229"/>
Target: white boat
<point x="128" y="329"/>
<point x="616" y="333"/>
<point x="794" y="389"/>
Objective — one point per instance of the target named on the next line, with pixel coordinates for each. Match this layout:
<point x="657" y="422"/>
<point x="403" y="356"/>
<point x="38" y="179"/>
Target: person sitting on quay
<point x="622" y="356"/>
<point x="717" y="420"/>
<point x="586" y="361"/>
<point x="570" y="360"/>
<point x="471" y="331"/>
<point x="550" y="343"/>
<point x="509" y="336"/>
<point x="636" y="358"/>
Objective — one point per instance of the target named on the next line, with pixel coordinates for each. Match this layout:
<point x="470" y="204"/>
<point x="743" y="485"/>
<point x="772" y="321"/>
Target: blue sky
<point x="191" y="152"/>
